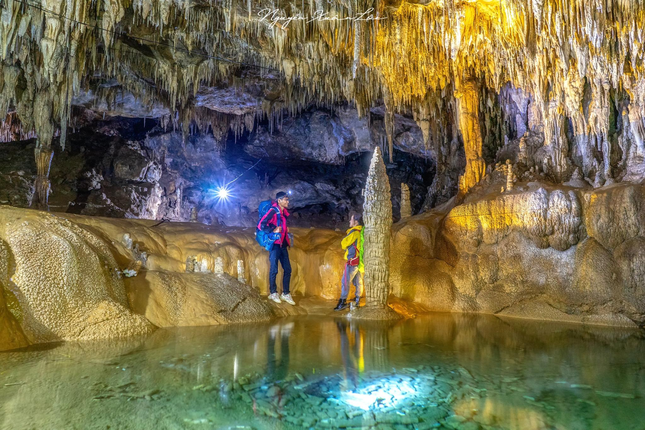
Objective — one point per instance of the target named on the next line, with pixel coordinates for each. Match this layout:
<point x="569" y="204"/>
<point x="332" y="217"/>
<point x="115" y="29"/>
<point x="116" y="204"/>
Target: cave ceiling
<point x="198" y="61"/>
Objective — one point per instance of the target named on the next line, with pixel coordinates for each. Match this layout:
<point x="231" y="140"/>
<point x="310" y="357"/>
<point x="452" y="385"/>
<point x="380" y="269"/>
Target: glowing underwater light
<point x="382" y="394"/>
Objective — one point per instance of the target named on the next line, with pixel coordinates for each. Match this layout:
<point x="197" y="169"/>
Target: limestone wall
<point x="63" y="281"/>
<point x="545" y="253"/>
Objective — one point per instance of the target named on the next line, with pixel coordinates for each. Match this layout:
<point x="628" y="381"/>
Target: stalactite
<point x="164" y="51"/>
<point x="468" y="120"/>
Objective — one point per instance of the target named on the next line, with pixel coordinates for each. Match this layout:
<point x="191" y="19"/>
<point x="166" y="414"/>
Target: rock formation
<point x="468" y="117"/>
<point x="104" y="119"/>
<point x="406" y="208"/>
<point x="67" y="284"/>
<point x="546" y="253"/>
<point x="241" y="277"/>
<point x="11" y="334"/>
<point x="377" y="216"/>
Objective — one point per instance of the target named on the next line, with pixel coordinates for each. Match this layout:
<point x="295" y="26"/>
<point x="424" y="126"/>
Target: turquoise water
<point x="439" y="371"/>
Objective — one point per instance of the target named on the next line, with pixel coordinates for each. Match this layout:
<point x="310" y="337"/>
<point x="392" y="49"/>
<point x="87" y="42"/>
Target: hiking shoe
<point x="287" y="298"/>
<point x="342" y="304"/>
<point x="274" y="297"/>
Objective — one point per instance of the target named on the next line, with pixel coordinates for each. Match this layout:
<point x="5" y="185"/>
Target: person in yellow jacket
<point x="352" y="243"/>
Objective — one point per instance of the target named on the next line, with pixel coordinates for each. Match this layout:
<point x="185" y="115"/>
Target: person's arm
<point x="349" y="240"/>
<point x="267" y="225"/>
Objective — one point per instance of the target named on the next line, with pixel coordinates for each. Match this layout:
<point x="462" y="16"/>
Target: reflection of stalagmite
<point x="406" y="206"/>
<point x="377" y="214"/>
<point x="468" y="114"/>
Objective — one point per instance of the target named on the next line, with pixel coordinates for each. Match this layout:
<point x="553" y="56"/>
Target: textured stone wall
<point x="548" y="253"/>
<point x="66" y="281"/>
<point x="11" y="334"/>
<point x="552" y="254"/>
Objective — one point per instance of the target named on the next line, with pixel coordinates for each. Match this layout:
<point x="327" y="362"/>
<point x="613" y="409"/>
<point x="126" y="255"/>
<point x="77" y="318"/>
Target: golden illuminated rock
<point x="66" y="281"/>
<point x="11" y="334"/>
<point x="468" y="112"/>
<point x="549" y="253"/>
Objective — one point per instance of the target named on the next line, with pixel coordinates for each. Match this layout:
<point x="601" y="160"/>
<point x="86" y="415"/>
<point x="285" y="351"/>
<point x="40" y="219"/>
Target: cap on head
<point x="280" y="195"/>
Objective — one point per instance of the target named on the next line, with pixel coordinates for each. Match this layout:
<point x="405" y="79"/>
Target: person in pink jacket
<point x="275" y="221"/>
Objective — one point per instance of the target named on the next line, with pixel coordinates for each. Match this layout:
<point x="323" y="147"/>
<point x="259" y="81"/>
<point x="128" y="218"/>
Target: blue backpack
<point x="265" y="240"/>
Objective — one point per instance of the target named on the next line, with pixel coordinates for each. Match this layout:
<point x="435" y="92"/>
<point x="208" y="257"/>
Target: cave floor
<point x="435" y="371"/>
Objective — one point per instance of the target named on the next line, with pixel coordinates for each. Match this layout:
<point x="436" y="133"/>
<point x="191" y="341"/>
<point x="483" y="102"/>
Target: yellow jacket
<point x="353" y="243"/>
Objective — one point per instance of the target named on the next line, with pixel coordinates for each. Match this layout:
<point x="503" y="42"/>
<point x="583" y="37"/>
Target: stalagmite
<point x="377" y="215"/>
<point x="406" y="206"/>
<point x="42" y="185"/>
<point x="219" y="266"/>
<point x="240" y="271"/>
<point x="510" y="176"/>
<point x="468" y="116"/>
<point x="522" y="156"/>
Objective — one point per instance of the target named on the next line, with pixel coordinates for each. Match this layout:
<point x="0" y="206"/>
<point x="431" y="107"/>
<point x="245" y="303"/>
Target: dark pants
<point x="281" y="254"/>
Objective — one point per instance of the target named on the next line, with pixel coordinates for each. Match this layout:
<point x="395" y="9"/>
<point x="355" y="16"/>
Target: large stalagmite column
<point x="467" y="96"/>
<point x="377" y="214"/>
<point x="43" y="155"/>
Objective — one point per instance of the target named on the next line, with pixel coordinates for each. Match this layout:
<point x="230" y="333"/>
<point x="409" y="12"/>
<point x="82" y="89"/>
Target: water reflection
<point x="451" y="371"/>
<point x="351" y="349"/>
<point x="277" y="367"/>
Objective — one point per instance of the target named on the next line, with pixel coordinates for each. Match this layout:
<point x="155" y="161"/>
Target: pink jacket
<point x="269" y="222"/>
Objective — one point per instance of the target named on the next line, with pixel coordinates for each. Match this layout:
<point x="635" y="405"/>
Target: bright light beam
<point x="223" y="193"/>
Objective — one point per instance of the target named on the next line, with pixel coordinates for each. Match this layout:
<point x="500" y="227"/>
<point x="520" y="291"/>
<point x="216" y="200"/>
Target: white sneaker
<point x="287" y="298"/>
<point x="274" y="297"/>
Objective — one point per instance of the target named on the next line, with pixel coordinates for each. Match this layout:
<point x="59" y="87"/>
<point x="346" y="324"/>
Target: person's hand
<point x="277" y="230"/>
